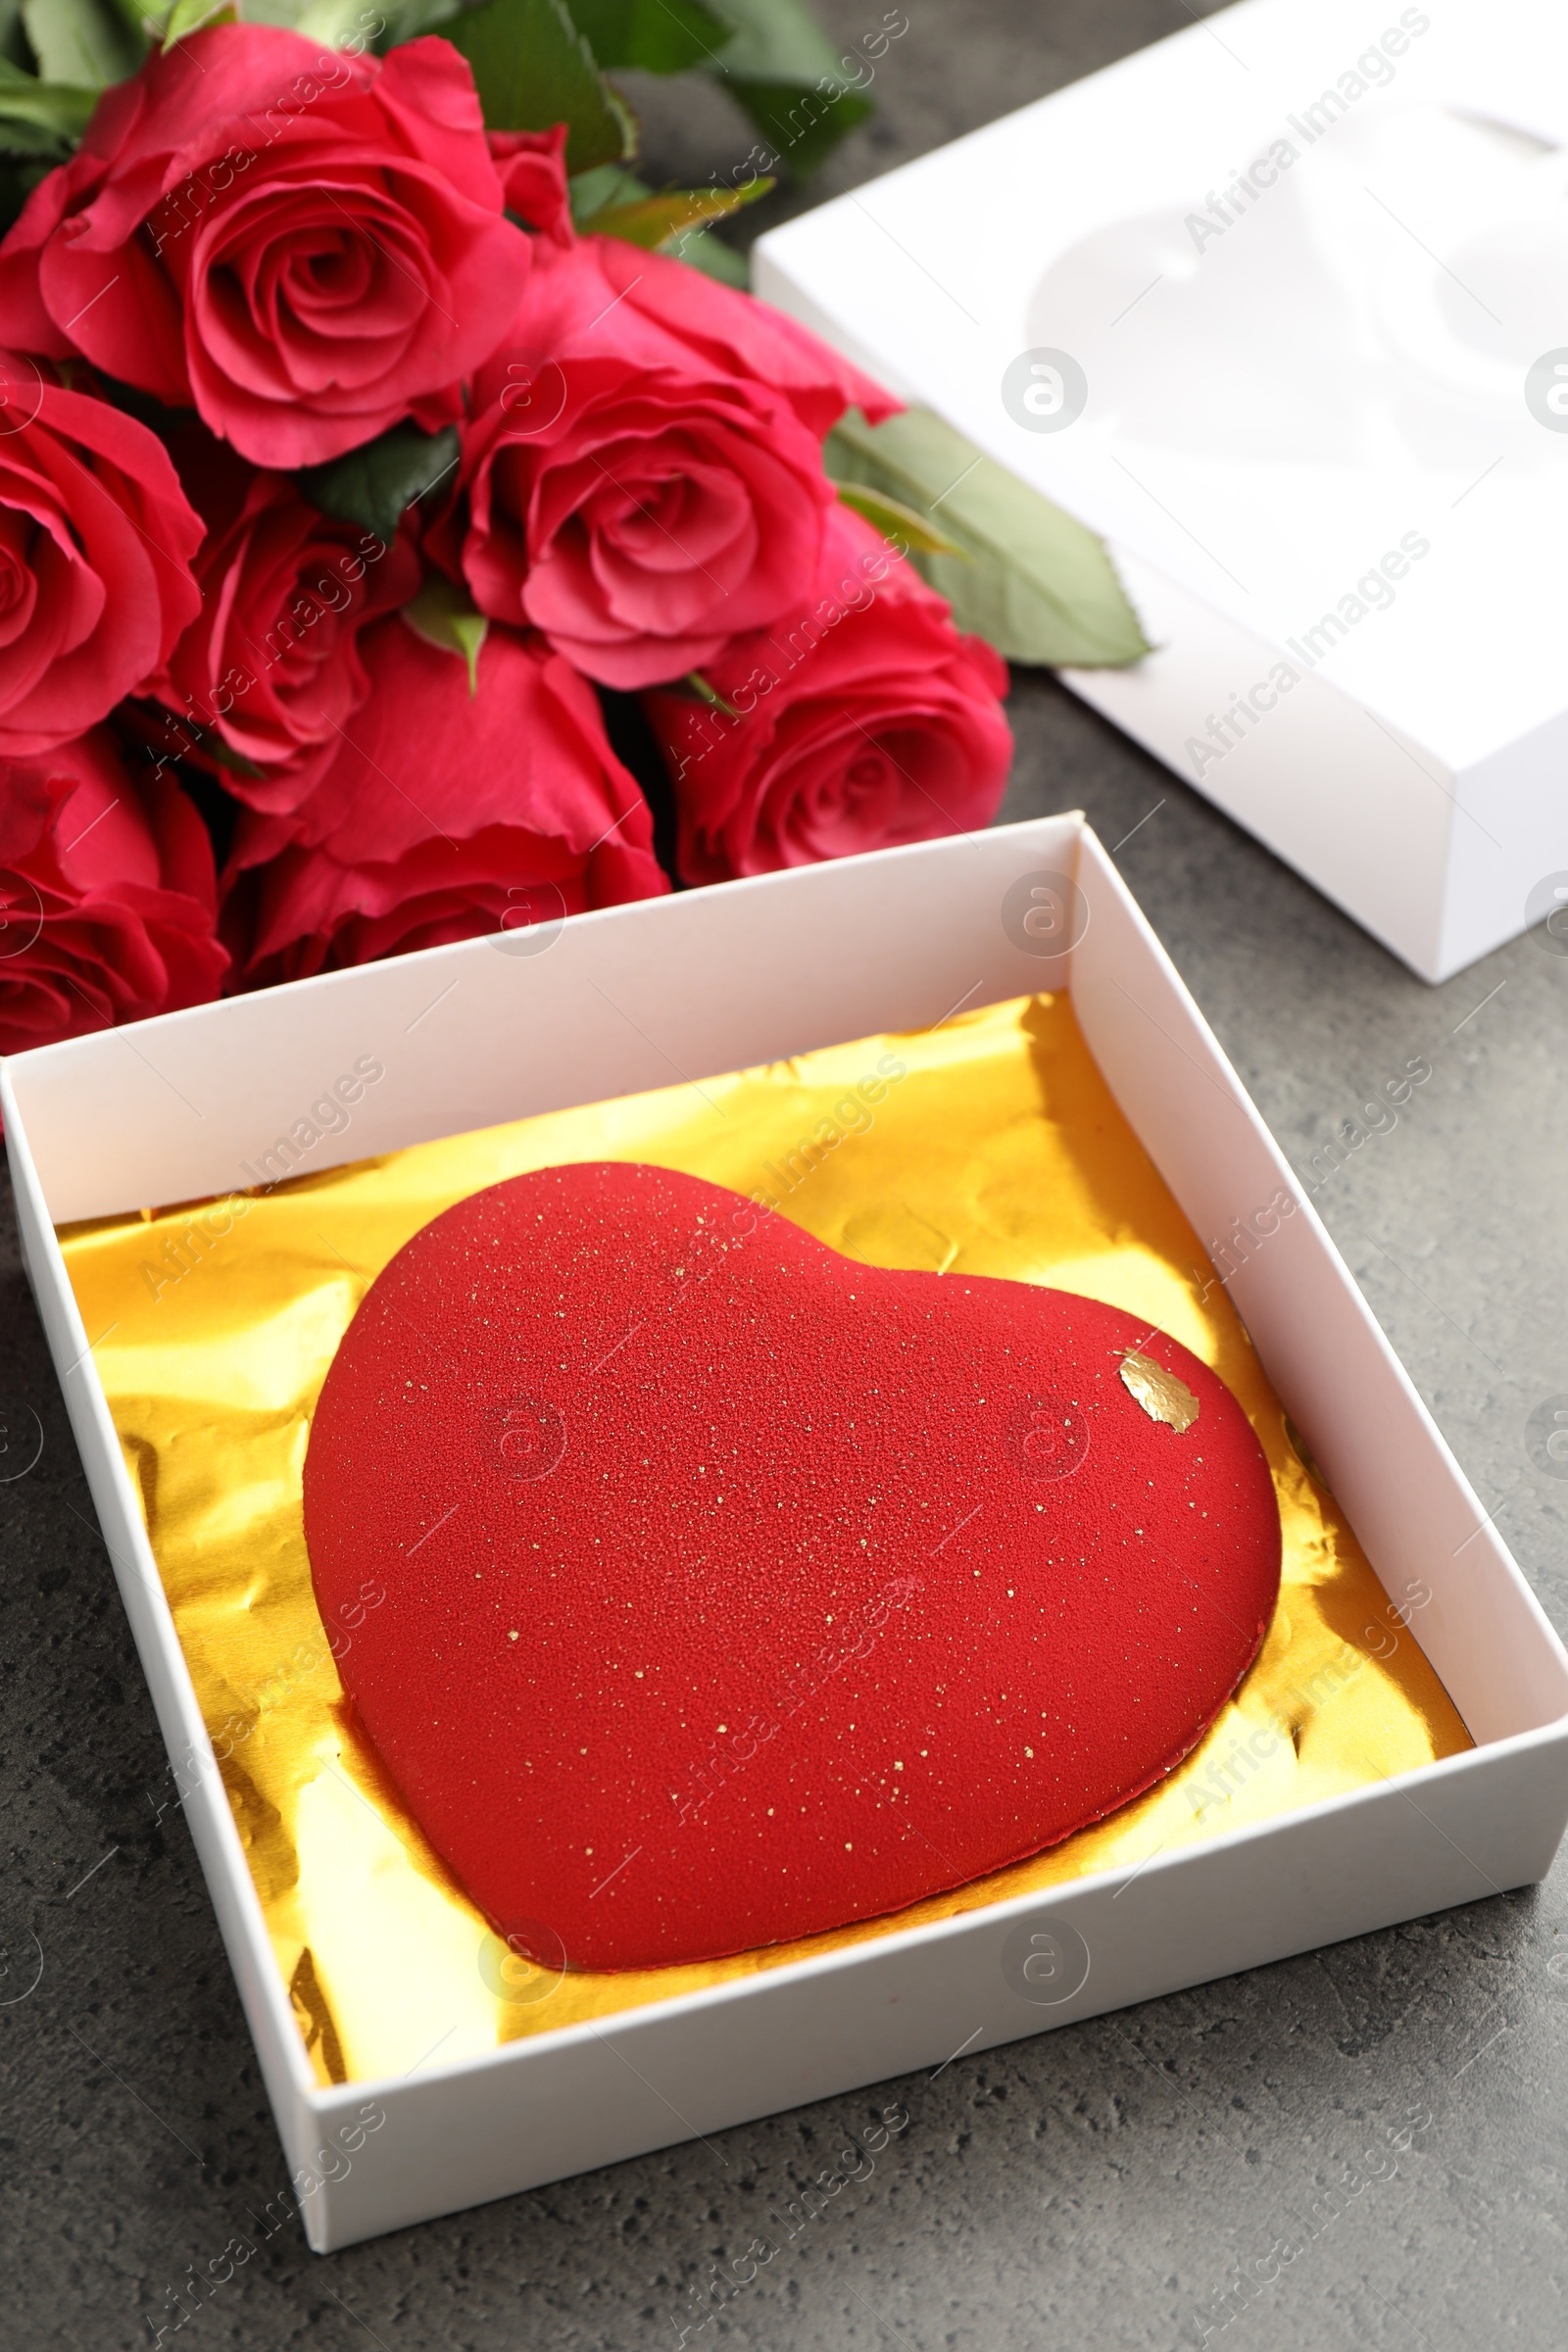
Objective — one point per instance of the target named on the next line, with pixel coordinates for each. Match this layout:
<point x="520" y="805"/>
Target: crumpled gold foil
<point x="998" y="1151"/>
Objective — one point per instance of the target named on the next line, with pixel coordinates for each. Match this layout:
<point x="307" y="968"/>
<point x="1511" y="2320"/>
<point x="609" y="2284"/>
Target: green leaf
<point x="776" y="40"/>
<point x="18" y="140"/>
<point x="596" y="194"/>
<point x="894" y="520"/>
<point x="655" y="221"/>
<point x="791" y="80"/>
<point x="190" y="16"/>
<point x="39" y="115"/>
<point x="401" y="20"/>
<point x="80" y="43"/>
<point x="709" y="694"/>
<point x="144" y="18"/>
<point x="1040" y="587"/>
<point x="373" y="485"/>
<point x="801" y="125"/>
<point x="335" y="23"/>
<point x="221" y="753"/>
<point x="533" y="68"/>
<point x="447" y="617"/>
<point x="20" y="174"/>
<point x="607" y="184"/>
<point x="656" y="36"/>
<point x="700" y="251"/>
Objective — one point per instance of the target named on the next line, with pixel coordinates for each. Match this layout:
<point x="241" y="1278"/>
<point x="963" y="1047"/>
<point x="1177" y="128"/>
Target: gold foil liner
<point x="996" y="1147"/>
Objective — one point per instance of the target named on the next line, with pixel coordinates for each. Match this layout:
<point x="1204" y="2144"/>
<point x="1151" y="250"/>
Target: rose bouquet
<point x="390" y="533"/>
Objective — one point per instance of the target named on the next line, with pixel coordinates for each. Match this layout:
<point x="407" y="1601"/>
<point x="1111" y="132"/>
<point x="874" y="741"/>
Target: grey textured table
<point x="1093" y="2186"/>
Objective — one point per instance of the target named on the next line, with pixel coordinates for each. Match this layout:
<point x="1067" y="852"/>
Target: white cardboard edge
<point x="471" y="1036"/>
<point x="1435" y="864"/>
<point x="824" y="2028"/>
<point x="1366" y="816"/>
<point x="285" y="2066"/>
<point x="887" y="934"/>
<point x="1408" y="1501"/>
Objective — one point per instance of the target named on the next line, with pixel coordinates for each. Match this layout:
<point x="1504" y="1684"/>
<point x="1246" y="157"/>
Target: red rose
<point x="643" y="469"/>
<point x="272" y="665"/>
<point x="533" y="164"/>
<point x="307" y="246"/>
<point x="106" y="897"/>
<point x="95" y="537"/>
<point x="865" y="721"/>
<point x="449" y="815"/>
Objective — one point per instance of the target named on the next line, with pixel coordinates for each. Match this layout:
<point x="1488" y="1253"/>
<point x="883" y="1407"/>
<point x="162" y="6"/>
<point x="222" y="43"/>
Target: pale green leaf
<point x="447" y="617"/>
<point x="1039" y="586"/>
<point x="776" y="40"/>
<point x="193" y="16"/>
<point x="83" y="44"/>
<point x="894" y="520"/>
<point x="654" y="221"/>
<point x="286" y="12"/>
<point x="54" y="115"/>
<point x="335" y="23"/>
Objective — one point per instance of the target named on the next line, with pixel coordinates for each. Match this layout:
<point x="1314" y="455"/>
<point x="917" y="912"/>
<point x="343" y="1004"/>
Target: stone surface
<point x="1093" y="2186"/>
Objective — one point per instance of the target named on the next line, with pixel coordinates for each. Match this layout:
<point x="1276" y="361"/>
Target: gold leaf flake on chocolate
<point x="1161" y="1395"/>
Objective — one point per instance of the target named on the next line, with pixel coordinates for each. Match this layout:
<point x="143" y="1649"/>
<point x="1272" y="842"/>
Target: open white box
<point x="1287" y="378"/>
<point x="718" y="979"/>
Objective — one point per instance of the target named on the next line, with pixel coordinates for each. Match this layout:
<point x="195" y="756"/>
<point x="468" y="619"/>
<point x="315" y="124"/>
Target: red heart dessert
<point x="737" y="1591"/>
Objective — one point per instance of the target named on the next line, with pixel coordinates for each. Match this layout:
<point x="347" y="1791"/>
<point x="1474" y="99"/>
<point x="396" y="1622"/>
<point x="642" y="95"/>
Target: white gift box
<point x="1276" y="307"/>
<point x="716" y="980"/>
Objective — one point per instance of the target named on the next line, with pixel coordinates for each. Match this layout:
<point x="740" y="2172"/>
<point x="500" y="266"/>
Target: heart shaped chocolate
<point x="737" y="1591"/>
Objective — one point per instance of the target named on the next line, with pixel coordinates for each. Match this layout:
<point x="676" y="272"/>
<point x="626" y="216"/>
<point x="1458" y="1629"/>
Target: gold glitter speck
<point x="1161" y="1395"/>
